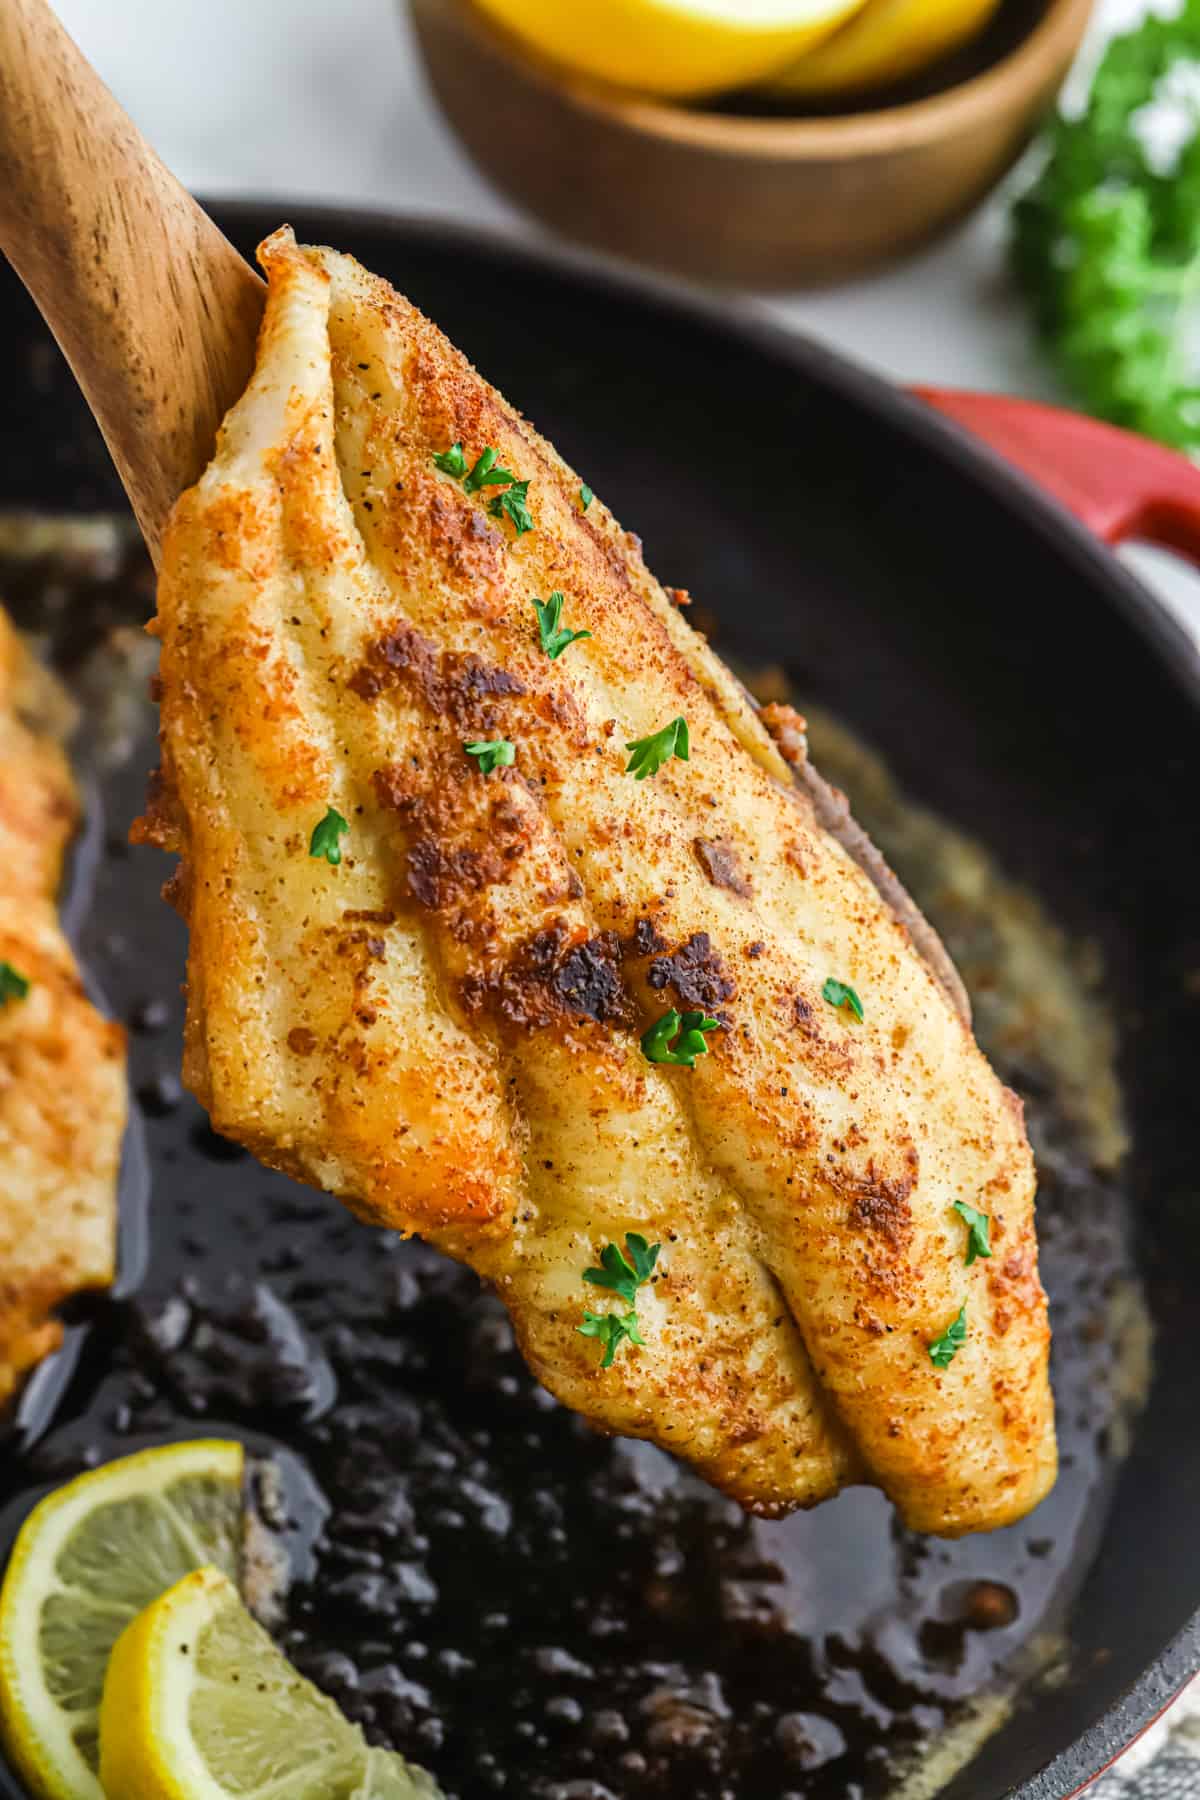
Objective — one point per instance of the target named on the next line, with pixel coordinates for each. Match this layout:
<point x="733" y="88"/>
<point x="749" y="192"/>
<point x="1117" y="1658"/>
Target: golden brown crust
<point x="62" y="1074"/>
<point x="339" y="617"/>
<point x="38" y="807"/>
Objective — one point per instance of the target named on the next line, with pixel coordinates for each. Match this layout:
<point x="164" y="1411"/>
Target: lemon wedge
<point x="674" y="48"/>
<point x="199" y="1704"/>
<point x="888" y="40"/>
<point x="86" y="1561"/>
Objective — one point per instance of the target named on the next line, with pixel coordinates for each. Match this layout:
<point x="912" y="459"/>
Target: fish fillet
<point x="445" y="1027"/>
<point x="62" y="1067"/>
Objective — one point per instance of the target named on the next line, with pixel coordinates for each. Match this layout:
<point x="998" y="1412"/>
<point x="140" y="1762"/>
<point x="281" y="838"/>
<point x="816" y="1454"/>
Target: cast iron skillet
<point x="1015" y="678"/>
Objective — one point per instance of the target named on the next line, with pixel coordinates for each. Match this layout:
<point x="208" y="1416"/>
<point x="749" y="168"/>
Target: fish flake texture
<point x="444" y="1028"/>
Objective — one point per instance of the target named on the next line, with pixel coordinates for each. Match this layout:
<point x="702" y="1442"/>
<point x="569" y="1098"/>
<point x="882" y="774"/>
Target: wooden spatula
<point x="153" y="308"/>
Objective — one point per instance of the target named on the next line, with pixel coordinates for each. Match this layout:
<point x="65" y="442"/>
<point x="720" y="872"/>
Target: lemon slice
<point x="87" y="1560"/>
<point x="200" y="1705"/>
<point x="389" y="1777"/>
<point x="671" y="47"/>
<point x="887" y="41"/>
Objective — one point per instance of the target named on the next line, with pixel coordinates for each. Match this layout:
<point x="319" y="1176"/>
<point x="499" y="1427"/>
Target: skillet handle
<point x="1120" y="485"/>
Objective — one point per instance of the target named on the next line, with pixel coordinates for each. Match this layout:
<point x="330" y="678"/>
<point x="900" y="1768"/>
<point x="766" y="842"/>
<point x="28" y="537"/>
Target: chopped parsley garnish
<point x="511" y="504"/>
<point x="493" y="753"/>
<point x="554" y="641"/>
<point x="13" y="985"/>
<point x="978" y="1236"/>
<point x="622" y="1271"/>
<point x="687" y="1030"/>
<point x="324" y="840"/>
<point x="586" y="496"/>
<point x="648" y="754"/>
<point x="840" y="993"/>
<point x="451" y="461"/>
<point x="613" y="1328"/>
<point x="486" y="474"/>
<point x="625" y="1270"/>
<point x="943" y="1350"/>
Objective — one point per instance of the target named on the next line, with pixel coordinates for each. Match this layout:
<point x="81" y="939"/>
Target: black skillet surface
<point x="520" y="1606"/>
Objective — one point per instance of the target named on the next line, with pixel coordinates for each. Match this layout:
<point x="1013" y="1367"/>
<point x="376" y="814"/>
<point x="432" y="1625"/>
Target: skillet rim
<point x="1074" y="1768"/>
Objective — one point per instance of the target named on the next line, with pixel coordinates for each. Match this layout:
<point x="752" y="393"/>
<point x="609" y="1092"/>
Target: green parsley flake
<point x="324" y="840"/>
<point x="623" y="1272"/>
<point x="486" y="474"/>
<point x="554" y="641"/>
<point x="451" y="461"/>
<point x="13" y="985"/>
<point x="688" y="1029"/>
<point x="511" y="504"/>
<point x="613" y="1329"/>
<point x="943" y="1350"/>
<point x="839" y="993"/>
<point x="586" y="496"/>
<point x="648" y="754"/>
<point x="493" y="753"/>
<point x="978" y="1236"/>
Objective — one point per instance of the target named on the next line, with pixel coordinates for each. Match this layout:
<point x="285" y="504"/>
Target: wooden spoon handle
<point x="153" y="308"/>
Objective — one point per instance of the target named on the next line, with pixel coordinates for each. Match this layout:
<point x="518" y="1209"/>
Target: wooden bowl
<point x="756" y="201"/>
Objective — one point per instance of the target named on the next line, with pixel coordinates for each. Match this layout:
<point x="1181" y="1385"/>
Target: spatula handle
<point x="153" y="308"/>
<point x="1121" y="485"/>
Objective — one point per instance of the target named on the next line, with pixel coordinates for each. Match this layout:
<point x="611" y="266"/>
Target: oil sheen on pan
<point x="476" y="1576"/>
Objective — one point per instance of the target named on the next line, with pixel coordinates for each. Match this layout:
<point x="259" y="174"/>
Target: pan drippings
<point x="516" y="1603"/>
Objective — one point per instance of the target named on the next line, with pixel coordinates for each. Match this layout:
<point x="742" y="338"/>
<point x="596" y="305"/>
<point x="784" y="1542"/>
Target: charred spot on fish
<point x="438" y="877"/>
<point x="394" y="789"/>
<point x="451" y="685"/>
<point x="368" y="683"/>
<point x="463" y="836"/>
<point x="399" y="655"/>
<point x="719" y="860"/>
<point x="301" y="1040"/>
<point x="479" y="678"/>
<point x="405" y="651"/>
<point x="590" y="982"/>
<point x="696" y="973"/>
<point x="646" y="939"/>
<point x="554" y="978"/>
<point x="881" y="1210"/>
<point x="881" y="1205"/>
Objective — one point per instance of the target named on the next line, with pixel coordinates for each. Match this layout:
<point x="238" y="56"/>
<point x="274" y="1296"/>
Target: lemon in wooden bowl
<point x="672" y="48"/>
